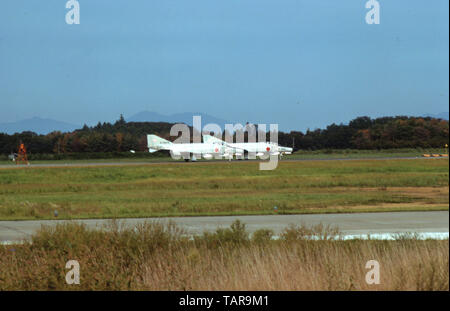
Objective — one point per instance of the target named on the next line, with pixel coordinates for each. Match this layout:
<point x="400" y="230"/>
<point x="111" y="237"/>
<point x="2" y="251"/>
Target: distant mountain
<point x="37" y="125"/>
<point x="186" y="117"/>
<point x="442" y="115"/>
<point x="45" y="126"/>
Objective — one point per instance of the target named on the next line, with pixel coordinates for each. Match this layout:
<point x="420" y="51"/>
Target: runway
<point x="106" y="164"/>
<point x="377" y="225"/>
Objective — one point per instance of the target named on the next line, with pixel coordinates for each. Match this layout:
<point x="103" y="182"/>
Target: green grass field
<point x="299" y="155"/>
<point x="224" y="188"/>
<point x="366" y="154"/>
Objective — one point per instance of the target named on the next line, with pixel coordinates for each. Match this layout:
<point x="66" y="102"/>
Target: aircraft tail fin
<point x="155" y="143"/>
<point x="208" y="139"/>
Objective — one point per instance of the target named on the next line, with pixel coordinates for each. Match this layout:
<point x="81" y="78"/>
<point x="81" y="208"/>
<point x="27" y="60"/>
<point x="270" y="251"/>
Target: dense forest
<point x="122" y="136"/>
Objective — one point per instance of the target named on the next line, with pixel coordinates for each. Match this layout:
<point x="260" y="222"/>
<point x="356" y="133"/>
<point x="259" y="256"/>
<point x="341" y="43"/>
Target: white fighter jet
<point x="189" y="151"/>
<point x="260" y="149"/>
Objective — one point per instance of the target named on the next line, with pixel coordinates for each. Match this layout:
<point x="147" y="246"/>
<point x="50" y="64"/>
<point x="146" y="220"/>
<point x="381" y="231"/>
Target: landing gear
<point x="190" y="158"/>
<point x="243" y="156"/>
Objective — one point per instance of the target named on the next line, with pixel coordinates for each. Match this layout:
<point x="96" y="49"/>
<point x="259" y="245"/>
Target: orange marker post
<point x="22" y="155"/>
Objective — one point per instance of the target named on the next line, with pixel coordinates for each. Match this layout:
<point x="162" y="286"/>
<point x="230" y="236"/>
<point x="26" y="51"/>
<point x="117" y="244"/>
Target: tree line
<point x="122" y="136"/>
<point x="379" y="133"/>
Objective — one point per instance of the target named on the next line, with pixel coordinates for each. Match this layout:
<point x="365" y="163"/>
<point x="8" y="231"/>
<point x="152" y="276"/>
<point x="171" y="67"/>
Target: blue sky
<point x="300" y="63"/>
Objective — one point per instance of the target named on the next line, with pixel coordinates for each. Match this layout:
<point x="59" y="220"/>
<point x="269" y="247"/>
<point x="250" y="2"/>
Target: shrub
<point x="262" y="236"/>
<point x="236" y="234"/>
<point x="317" y="232"/>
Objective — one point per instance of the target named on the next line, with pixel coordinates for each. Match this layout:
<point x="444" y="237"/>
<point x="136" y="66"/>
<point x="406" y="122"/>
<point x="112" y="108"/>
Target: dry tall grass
<point x="161" y="257"/>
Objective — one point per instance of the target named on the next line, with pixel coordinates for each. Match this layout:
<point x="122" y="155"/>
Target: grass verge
<point x="238" y="188"/>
